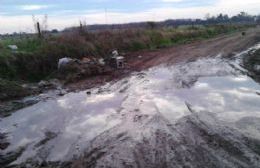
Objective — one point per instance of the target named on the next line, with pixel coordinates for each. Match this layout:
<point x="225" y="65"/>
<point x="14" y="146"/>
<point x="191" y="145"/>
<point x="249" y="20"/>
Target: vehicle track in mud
<point x="193" y="141"/>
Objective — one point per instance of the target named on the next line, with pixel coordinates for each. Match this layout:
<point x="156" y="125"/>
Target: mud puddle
<point x="198" y="114"/>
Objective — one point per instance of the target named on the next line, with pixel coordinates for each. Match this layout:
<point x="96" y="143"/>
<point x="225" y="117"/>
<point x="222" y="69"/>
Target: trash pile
<point x="13" y="47"/>
<point x="72" y="69"/>
<point x="116" y="61"/>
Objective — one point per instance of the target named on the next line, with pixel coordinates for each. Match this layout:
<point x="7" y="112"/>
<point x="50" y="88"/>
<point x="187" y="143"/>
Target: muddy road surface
<point x="228" y="45"/>
<point x="203" y="112"/>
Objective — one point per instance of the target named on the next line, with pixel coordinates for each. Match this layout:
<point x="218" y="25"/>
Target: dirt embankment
<point x="227" y="45"/>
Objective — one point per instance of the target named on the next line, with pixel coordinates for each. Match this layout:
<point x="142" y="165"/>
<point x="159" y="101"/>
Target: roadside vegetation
<point x="11" y="89"/>
<point x="37" y="59"/>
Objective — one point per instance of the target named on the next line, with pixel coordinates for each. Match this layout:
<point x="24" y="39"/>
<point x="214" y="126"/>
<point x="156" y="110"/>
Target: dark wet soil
<point x="251" y="62"/>
<point x="3" y="142"/>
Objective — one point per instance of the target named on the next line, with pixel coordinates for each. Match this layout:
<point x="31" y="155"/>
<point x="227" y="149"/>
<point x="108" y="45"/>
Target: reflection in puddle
<point x="74" y="120"/>
<point x="231" y="98"/>
<point x="134" y="109"/>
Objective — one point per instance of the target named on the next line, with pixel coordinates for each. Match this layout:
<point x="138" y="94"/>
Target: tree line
<point x="242" y="17"/>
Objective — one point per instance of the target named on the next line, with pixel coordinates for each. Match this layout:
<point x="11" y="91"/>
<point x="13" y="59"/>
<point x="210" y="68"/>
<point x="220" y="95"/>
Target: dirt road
<point x="224" y="44"/>
<point x="201" y="113"/>
<point x="227" y="45"/>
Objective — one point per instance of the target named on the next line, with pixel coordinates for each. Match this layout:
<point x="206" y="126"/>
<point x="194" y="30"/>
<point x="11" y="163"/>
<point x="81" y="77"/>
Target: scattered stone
<point x="51" y="84"/>
<point x="88" y="92"/>
<point x="43" y="84"/>
<point x="62" y="92"/>
<point x="86" y="60"/>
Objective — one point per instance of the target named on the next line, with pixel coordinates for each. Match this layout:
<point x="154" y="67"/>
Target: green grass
<point x="23" y="44"/>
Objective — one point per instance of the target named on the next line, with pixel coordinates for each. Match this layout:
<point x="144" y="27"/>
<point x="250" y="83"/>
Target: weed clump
<point x="11" y="89"/>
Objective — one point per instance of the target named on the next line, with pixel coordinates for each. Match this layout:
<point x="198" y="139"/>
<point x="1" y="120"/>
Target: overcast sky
<point x="16" y="15"/>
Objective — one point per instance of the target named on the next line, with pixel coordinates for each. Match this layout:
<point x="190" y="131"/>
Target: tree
<point x="54" y="31"/>
<point x="258" y="19"/>
<point x="243" y="17"/>
<point x="151" y="24"/>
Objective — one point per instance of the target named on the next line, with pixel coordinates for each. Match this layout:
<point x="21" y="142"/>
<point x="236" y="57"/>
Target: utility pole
<point x="106" y="15"/>
<point x="80" y="27"/>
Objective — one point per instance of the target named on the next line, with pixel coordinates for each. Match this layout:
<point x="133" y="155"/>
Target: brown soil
<point x="227" y="45"/>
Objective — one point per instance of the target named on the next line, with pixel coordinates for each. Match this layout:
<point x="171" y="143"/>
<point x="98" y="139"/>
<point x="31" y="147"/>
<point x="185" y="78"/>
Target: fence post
<point x="39" y="30"/>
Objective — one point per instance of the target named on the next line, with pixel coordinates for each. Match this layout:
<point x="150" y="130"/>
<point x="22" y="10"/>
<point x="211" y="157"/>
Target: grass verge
<point x="37" y="59"/>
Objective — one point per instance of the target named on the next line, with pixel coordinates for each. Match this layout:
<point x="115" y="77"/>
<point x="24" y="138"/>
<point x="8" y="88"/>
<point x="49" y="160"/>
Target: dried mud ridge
<point x="191" y="142"/>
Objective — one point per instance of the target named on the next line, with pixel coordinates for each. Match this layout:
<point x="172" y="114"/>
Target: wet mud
<point x="201" y="113"/>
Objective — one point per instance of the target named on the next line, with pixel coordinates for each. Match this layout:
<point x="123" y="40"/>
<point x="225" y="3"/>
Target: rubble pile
<point x="71" y="69"/>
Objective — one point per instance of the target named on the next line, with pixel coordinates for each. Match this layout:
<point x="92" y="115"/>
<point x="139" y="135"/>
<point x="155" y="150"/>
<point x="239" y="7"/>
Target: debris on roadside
<point x="13" y="47"/>
<point x="61" y="92"/>
<point x="74" y="69"/>
<point x="101" y="61"/>
<point x="64" y="62"/>
<point x="117" y="61"/>
<point x="115" y="53"/>
<point x="50" y="84"/>
<point x="70" y="69"/>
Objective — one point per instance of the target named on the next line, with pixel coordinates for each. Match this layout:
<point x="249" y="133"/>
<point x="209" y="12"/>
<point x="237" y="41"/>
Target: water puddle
<point x="165" y="112"/>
